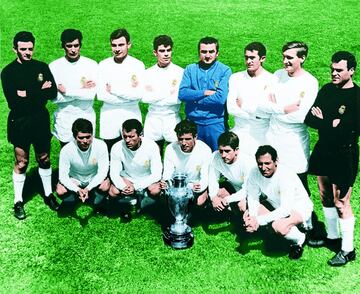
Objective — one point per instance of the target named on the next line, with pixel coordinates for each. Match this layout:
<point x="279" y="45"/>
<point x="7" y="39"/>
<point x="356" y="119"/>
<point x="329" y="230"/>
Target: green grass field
<point x="96" y="254"/>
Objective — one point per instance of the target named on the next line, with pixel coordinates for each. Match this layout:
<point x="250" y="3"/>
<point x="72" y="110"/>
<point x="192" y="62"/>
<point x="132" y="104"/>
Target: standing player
<point x="287" y="204"/>
<point x="83" y="167"/>
<point x="190" y="156"/>
<point x="227" y="162"/>
<point x="335" y="158"/>
<point x="119" y="87"/>
<point x="204" y="89"/>
<point x="135" y="166"/>
<point x="295" y="92"/>
<point x="27" y="85"/>
<point x="75" y="77"/>
<point x="161" y="92"/>
<point x="249" y="93"/>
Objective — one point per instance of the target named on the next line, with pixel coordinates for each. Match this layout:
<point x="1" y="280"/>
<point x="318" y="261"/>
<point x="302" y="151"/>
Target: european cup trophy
<point x="179" y="235"/>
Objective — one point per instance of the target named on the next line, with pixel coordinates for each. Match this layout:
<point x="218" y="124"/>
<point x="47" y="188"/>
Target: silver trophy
<point x="179" y="235"/>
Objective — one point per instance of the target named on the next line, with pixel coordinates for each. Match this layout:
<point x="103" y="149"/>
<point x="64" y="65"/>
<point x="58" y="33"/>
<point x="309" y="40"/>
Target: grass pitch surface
<point x="47" y="254"/>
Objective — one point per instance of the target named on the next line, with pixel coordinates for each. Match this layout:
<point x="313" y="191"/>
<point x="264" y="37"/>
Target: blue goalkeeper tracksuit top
<point x="205" y="110"/>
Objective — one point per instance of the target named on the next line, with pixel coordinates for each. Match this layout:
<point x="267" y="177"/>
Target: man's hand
<point x="21" y="93"/>
<point x="335" y="122"/>
<point x="61" y="88"/>
<point x="316" y="111"/>
<point x="163" y="185"/>
<point x="209" y="92"/>
<point x="83" y="194"/>
<point x="88" y="84"/>
<point x="217" y="203"/>
<point x="242" y="205"/>
<point x="46" y="85"/>
<point x="239" y="101"/>
<point x="108" y="88"/>
<point x="292" y="107"/>
<point x="196" y="187"/>
<point x="251" y="223"/>
<point x="128" y="190"/>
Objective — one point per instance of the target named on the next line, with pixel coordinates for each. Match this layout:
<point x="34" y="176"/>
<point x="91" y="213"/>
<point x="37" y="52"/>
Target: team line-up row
<point x="269" y="109"/>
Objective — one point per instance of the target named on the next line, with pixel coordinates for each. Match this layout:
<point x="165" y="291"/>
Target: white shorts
<point x="158" y="127"/>
<point x="111" y="120"/>
<point x="63" y="122"/>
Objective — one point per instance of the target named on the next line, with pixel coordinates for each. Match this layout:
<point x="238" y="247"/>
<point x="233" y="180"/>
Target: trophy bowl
<point x="179" y="235"/>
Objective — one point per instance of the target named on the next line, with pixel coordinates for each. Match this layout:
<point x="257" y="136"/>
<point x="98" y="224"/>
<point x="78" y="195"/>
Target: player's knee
<point x="154" y="190"/>
<point x="113" y="191"/>
<point x="105" y="185"/>
<point x="44" y="160"/>
<point x="342" y="206"/>
<point x="60" y="189"/>
<point x="21" y="165"/>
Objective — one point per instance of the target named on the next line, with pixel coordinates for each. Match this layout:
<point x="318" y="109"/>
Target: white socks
<point x="18" y="181"/>
<point x="347" y="232"/>
<point x="332" y="222"/>
<point x="45" y="175"/>
<point x="295" y="236"/>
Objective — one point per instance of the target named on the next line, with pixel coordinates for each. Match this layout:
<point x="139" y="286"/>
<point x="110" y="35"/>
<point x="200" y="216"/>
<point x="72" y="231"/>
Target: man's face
<point x="187" y="142"/>
<point x="208" y="53"/>
<point x="292" y="63"/>
<point x="132" y="139"/>
<point x="72" y="50"/>
<point x="84" y="140"/>
<point x="340" y="74"/>
<point x="253" y="60"/>
<point x="24" y="51"/>
<point x="163" y="55"/>
<point x="266" y="165"/>
<point x="228" y="155"/>
<point x="120" y="48"/>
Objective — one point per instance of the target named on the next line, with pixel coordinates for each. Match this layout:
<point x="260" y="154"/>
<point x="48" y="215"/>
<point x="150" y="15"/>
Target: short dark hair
<point x="133" y="124"/>
<point x="302" y="48"/>
<point x="23" y="36"/>
<point x="121" y="32"/>
<point x="209" y="40"/>
<point x="162" y="40"/>
<point x="81" y="125"/>
<point x="70" y="35"/>
<point x="256" y="46"/>
<point x="186" y="127"/>
<point x="347" y="56"/>
<point x="262" y="150"/>
<point x="228" y="139"/>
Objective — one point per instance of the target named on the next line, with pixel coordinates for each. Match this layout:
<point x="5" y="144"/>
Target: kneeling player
<point x="227" y="162"/>
<point x="135" y="166"/>
<point x="190" y="156"/>
<point x="83" y="167"/>
<point x="287" y="204"/>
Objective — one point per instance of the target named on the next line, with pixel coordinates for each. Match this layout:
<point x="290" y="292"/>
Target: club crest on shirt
<point x="174" y="83"/>
<point x="40" y="77"/>
<point x="342" y="109"/>
<point x="93" y="161"/>
<point x="216" y="84"/>
<point x="146" y="163"/>
<point x="83" y="81"/>
<point x="134" y="81"/>
<point x="302" y="94"/>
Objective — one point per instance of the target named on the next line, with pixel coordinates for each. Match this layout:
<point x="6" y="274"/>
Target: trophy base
<point x="176" y="241"/>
